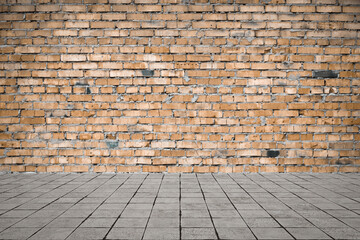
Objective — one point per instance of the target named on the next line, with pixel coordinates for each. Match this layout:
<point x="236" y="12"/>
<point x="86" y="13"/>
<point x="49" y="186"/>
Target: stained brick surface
<point x="179" y="86"/>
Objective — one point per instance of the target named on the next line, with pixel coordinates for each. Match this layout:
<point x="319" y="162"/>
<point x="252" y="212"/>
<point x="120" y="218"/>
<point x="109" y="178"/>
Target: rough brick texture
<point x="180" y="86"/>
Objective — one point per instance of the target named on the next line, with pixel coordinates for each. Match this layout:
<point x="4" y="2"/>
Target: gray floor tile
<point x="106" y="213"/>
<point x="322" y="203"/>
<point x="52" y="233"/>
<point x="196" y="213"/>
<point x="65" y="222"/>
<point x="307" y="233"/>
<point x="342" y="233"/>
<point x="224" y="213"/>
<point x="196" y="222"/>
<point x="169" y="206"/>
<point x="17" y="213"/>
<point x="76" y="213"/>
<point x="271" y="233"/>
<point x="187" y="206"/>
<point x="235" y="233"/>
<point x="352" y="222"/>
<point x="33" y="222"/>
<point x="7" y="222"/>
<point x="88" y="233"/>
<point x="326" y="222"/>
<point x="125" y="233"/>
<point x="17" y="233"/>
<point x="261" y="223"/>
<point x="141" y="213"/>
<point x="131" y="222"/>
<point x="162" y="233"/>
<point x="294" y="222"/>
<point x="155" y="222"/>
<point x="98" y="222"/>
<point x="254" y="213"/>
<point x="165" y="213"/>
<point x="227" y="222"/>
<point x="198" y="233"/>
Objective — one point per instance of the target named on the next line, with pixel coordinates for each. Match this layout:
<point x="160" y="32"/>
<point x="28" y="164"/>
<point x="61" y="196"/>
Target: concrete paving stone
<point x="46" y="213"/>
<point x="313" y="214"/>
<point x="294" y="222"/>
<point x="220" y="206"/>
<point x="193" y="200"/>
<point x="76" y="213"/>
<point x="65" y="222"/>
<point x="189" y="206"/>
<point x="33" y="222"/>
<point x="271" y="233"/>
<point x="261" y="223"/>
<point x="231" y="213"/>
<point x="229" y="222"/>
<point x="218" y="200"/>
<point x="235" y="233"/>
<point x="342" y="213"/>
<point x="55" y="206"/>
<point x="52" y="233"/>
<point x="167" y="200"/>
<point x="88" y="233"/>
<point x="165" y="213"/>
<point x="190" y="188"/>
<point x="352" y="222"/>
<point x="307" y="233"/>
<point x="248" y="206"/>
<point x="17" y="233"/>
<point x="198" y="233"/>
<point x="106" y="213"/>
<point x="168" y="195"/>
<point x="196" y="213"/>
<point x="133" y="213"/>
<point x="68" y="200"/>
<point x="191" y="195"/>
<point x="275" y="206"/>
<point x="162" y="233"/>
<point x="196" y="222"/>
<point x="98" y="222"/>
<point x="123" y="222"/>
<point x="17" y="213"/>
<point x="352" y="206"/>
<point x="81" y="206"/>
<point x="126" y="233"/>
<point x="214" y="194"/>
<point x="284" y="214"/>
<point x="116" y="206"/>
<point x="342" y="233"/>
<point x="241" y="193"/>
<point x="145" y="195"/>
<point x="138" y="206"/>
<point x="253" y="213"/>
<point x="328" y="206"/>
<point x="243" y="200"/>
<point x="170" y="206"/>
<point x="157" y="222"/>
<point x="116" y="200"/>
<point x="142" y="200"/>
<point x="7" y="222"/>
<point x="31" y="206"/>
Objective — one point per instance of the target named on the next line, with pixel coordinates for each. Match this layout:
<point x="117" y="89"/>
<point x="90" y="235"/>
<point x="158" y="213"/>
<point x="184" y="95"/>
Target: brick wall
<point x="180" y="86"/>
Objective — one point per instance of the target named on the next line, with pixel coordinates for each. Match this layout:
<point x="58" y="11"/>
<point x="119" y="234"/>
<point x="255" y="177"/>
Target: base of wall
<point x="178" y="169"/>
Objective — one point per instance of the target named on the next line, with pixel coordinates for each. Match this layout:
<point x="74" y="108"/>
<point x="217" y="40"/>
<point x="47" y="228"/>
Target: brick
<point x="166" y="86"/>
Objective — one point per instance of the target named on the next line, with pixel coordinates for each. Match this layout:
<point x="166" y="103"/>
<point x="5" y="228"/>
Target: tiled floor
<point x="179" y="206"/>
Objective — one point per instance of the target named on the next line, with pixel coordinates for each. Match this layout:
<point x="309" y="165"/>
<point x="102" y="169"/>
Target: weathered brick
<point x="148" y="86"/>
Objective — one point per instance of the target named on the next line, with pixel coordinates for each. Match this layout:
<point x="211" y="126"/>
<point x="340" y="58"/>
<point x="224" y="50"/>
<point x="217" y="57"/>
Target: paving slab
<point x="180" y="206"/>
